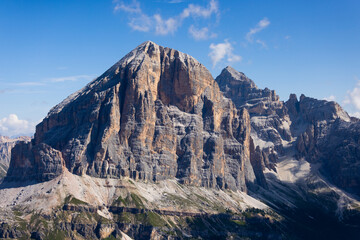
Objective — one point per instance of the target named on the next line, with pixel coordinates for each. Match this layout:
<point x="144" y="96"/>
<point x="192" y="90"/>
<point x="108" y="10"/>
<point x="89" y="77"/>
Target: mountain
<point x="6" y="144"/>
<point x="155" y="148"/>
<point x="156" y="114"/>
<point x="321" y="131"/>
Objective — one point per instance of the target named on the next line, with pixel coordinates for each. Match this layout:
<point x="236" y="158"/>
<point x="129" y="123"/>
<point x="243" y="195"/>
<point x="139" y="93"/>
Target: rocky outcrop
<point x="336" y="146"/>
<point x="156" y="114"/>
<point x="34" y="163"/>
<point x="244" y="93"/>
<point x="269" y="119"/>
<point x="6" y="144"/>
<point x="341" y="155"/>
<point x="312" y="110"/>
<point x="258" y="163"/>
<point x="319" y="130"/>
<point x="327" y="135"/>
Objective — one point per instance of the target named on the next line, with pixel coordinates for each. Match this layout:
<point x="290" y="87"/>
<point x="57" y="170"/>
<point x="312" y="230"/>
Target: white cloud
<point x="330" y="98"/>
<point x="222" y="50"/>
<point x="71" y="78"/>
<point x="264" y="23"/>
<point x="140" y="21"/>
<point x="13" y="126"/>
<point x="355" y="114"/>
<point x="287" y="37"/>
<point x="353" y="96"/>
<point x="198" y="11"/>
<point x="200" y="34"/>
<point x="164" y="27"/>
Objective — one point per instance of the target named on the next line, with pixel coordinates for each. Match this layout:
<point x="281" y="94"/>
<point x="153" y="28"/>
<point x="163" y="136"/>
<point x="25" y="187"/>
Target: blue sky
<point x="49" y="49"/>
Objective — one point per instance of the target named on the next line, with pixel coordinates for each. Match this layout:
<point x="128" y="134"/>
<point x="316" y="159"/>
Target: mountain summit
<point x="156" y="114"/>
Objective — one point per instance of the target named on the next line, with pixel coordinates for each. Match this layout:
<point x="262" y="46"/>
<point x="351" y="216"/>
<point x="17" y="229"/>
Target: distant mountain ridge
<point x="321" y="130"/>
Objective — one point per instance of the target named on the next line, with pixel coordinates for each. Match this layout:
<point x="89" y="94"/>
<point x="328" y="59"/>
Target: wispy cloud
<point x="165" y="26"/>
<point x="200" y="34"/>
<point x="25" y="84"/>
<point x="262" y="43"/>
<point x="175" y="1"/>
<point x="133" y="7"/>
<point x="45" y="82"/>
<point x="222" y="51"/>
<point x="71" y="78"/>
<point x="261" y="25"/>
<point x="140" y="21"/>
<point x="13" y="126"/>
<point x="264" y="23"/>
<point x="198" y="11"/>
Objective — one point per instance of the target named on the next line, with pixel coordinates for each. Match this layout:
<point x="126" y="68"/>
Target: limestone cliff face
<point x="269" y="119"/>
<point x="6" y="144"/>
<point x="156" y="114"/>
<point x="337" y="147"/>
<point x="331" y="138"/>
<point x="317" y="130"/>
<point x="244" y="93"/>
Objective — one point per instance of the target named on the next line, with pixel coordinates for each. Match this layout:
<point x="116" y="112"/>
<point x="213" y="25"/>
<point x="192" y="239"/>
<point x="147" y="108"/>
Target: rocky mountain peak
<point x="312" y="110"/>
<point x="152" y="68"/>
<point x="156" y="114"/>
<point x="245" y="94"/>
<point x="230" y="73"/>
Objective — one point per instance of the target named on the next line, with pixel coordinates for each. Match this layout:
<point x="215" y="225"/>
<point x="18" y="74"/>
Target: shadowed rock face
<point x="331" y="138"/>
<point x="269" y="118"/>
<point x="6" y="144"/>
<point x="244" y="93"/>
<point x="341" y="155"/>
<point x="155" y="114"/>
<point x="319" y="131"/>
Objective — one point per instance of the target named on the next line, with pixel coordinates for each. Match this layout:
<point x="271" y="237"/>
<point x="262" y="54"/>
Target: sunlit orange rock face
<point x="156" y="114"/>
